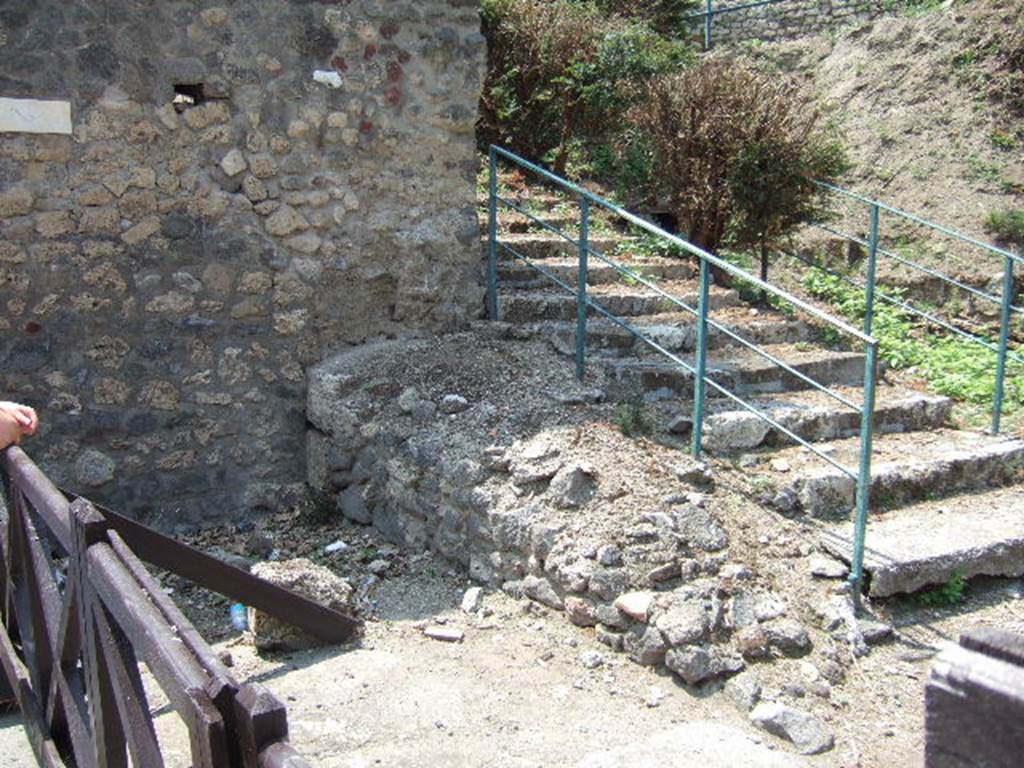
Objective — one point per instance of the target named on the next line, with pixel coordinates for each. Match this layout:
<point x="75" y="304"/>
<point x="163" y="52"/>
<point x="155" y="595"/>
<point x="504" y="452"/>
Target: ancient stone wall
<point x="787" y="19"/>
<point x="246" y="187"/>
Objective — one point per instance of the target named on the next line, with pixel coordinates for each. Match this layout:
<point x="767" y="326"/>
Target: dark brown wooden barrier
<point x="80" y="611"/>
<point x="975" y="703"/>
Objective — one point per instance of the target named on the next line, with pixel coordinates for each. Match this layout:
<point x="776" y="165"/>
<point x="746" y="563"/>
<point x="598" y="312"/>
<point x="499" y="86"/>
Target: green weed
<point x="952" y="365"/>
<point x="1002" y="140"/>
<point x="632" y="418"/>
<point x="1007" y="226"/>
<point x="950" y="593"/>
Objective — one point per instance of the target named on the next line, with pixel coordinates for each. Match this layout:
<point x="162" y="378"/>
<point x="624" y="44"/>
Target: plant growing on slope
<point x="1007" y="226"/>
<point x="738" y="153"/>
<point x="560" y="72"/>
<point x="667" y="17"/>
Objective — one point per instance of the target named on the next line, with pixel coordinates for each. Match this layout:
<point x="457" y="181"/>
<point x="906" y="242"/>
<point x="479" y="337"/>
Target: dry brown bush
<point x="737" y="152"/>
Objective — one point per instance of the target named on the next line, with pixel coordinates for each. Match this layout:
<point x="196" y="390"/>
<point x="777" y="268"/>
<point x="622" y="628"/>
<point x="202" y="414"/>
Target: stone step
<point x="517" y="223"/>
<point x="676" y="332"/>
<point x="816" y="417"/>
<point x="926" y="543"/>
<point x="739" y="370"/>
<point x="620" y="300"/>
<point x="547" y="245"/>
<point x="522" y="276"/>
<point x="905" y="468"/>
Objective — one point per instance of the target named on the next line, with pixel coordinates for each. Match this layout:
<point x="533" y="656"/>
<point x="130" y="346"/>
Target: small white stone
<point x="636" y="605"/>
<point x="327" y="77"/>
<point x="233" y="163"/>
<point x="335" y="546"/>
<point x="444" y="634"/>
<point x="472" y="599"/>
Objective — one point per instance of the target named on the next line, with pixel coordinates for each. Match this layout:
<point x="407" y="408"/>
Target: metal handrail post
<point x="699" y="388"/>
<point x="864" y="473"/>
<point x="581" y="290"/>
<point x="1004" y="342"/>
<point x="708" y="15"/>
<point x="492" y="239"/>
<point x="869" y="288"/>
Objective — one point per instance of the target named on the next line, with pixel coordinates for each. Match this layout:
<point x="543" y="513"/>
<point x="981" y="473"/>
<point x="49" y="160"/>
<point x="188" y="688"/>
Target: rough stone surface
<point x="306" y="578"/>
<point x="809" y="734"/>
<point x="973" y="535"/>
<point x="734" y="430"/>
<point x="257" y="213"/>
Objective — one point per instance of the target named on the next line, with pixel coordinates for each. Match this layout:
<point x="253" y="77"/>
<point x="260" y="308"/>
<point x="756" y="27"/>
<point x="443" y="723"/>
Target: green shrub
<point x="561" y="74"/>
<point x="1007" y="226"/>
<point x="530" y="101"/>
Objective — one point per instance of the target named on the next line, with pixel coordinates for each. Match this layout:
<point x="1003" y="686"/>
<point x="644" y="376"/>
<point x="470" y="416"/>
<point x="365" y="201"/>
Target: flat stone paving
<point x="926" y="543"/>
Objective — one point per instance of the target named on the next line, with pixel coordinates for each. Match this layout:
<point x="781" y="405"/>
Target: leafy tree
<point x="561" y="72"/>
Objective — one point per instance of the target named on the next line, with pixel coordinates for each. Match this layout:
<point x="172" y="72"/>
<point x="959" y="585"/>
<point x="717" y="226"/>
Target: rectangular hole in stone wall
<point x="188" y="95"/>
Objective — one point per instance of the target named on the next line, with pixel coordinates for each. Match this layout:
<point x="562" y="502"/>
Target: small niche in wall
<point x="188" y="95"/>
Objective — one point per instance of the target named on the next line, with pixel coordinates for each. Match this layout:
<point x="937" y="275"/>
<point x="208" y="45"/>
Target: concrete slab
<point x="925" y="544"/>
<point x="904" y="469"/>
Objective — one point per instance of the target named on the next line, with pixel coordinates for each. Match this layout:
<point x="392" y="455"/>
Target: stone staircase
<point x="943" y="500"/>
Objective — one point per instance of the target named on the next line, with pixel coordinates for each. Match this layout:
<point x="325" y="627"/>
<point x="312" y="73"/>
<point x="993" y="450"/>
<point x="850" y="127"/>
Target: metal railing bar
<point x="915" y="265"/>
<point x="720" y="388"/>
<point x="526" y="260"/>
<point x="731" y="8"/>
<point x="784" y="365"/>
<point x="549" y="227"/>
<point x="646" y="339"/>
<point x="722" y="264"/>
<point x="909" y="308"/>
<point x="924" y="222"/>
<point x="724" y="329"/>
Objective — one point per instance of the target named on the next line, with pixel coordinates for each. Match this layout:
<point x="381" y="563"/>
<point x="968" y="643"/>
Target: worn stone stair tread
<point x="675" y="331"/>
<point x="926" y="543"/>
<point x="597" y="242"/>
<point x="905" y="468"/>
<point x="513" y="274"/>
<point x="622" y="300"/>
<point x="816" y="417"/>
<point x="751" y="372"/>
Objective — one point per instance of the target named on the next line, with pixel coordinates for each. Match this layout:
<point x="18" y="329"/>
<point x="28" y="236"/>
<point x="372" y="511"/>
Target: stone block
<point x="308" y="579"/>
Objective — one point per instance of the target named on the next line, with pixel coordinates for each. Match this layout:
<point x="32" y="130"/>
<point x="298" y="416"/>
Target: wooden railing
<point x="79" y="613"/>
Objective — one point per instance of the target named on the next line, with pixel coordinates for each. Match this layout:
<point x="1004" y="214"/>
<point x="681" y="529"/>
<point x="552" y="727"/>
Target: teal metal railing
<point x="873" y="243"/>
<point x="709" y="13"/>
<point x="585" y="303"/>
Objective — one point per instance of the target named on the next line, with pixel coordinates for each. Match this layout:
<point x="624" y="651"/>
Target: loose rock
<point x="807" y="733"/>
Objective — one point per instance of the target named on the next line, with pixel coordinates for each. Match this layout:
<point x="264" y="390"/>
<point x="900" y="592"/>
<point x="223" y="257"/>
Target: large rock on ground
<point x="306" y="578"/>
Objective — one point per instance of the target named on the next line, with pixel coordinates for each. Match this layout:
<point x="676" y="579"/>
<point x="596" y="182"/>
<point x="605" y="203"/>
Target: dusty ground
<point x="518" y="692"/>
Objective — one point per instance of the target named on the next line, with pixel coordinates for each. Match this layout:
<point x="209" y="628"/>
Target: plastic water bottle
<point x="239" y="617"/>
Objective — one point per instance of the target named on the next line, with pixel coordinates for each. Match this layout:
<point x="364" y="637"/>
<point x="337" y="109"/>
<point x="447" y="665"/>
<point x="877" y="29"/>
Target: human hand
<point x="16" y="421"/>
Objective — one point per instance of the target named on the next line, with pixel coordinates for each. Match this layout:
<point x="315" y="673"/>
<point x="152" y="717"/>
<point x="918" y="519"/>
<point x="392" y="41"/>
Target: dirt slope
<point x="909" y="93"/>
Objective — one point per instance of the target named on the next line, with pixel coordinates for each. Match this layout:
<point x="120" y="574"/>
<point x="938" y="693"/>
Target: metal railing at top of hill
<point x="872" y="243"/>
<point x="861" y="475"/>
<point x="710" y="12"/>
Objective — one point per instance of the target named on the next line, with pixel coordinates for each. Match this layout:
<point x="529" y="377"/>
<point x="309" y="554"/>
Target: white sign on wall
<point x="34" y="116"/>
